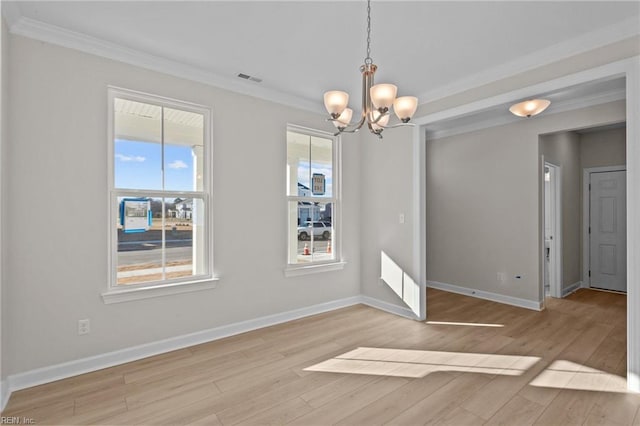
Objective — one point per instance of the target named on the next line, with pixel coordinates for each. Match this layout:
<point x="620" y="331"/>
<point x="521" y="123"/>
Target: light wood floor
<point x="565" y="365"/>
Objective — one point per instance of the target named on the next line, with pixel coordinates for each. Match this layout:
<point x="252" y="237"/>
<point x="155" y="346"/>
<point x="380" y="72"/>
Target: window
<point x="160" y="203"/>
<point x="313" y="188"/>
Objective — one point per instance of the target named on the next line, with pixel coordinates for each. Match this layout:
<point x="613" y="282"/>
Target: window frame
<point x="121" y="293"/>
<point x="337" y="263"/>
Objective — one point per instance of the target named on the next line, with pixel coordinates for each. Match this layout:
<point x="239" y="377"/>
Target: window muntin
<point x="159" y="164"/>
<point x="312" y="189"/>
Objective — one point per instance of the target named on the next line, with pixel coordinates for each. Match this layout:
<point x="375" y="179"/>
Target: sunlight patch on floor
<point x="418" y="363"/>
<point x="570" y="375"/>
<point x="471" y="324"/>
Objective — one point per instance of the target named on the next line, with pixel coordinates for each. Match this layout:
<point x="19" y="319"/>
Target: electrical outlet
<point x="84" y="326"/>
<point x="401" y="218"/>
<point x="502" y="277"/>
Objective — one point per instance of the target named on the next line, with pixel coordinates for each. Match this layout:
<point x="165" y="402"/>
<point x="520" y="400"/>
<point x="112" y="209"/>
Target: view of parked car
<point x="320" y="230"/>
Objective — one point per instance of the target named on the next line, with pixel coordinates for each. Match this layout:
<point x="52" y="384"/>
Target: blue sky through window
<point x="138" y="166"/>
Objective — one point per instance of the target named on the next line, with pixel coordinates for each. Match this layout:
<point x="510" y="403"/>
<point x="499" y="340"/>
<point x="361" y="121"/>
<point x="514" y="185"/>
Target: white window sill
<point x="295" y="271"/>
<point x="138" y="293"/>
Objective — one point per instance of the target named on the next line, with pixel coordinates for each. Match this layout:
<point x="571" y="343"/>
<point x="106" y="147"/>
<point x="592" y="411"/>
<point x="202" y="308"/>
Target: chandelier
<point x="376" y="100"/>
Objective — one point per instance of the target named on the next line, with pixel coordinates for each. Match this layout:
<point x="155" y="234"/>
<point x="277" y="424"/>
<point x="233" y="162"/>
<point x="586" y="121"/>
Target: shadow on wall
<point x="400" y="282"/>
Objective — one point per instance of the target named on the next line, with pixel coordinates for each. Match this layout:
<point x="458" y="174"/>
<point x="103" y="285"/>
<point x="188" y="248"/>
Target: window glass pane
<point x="321" y="167"/>
<point x="309" y="166"/>
<point x="137" y="145"/>
<point x="298" y="165"/>
<point x="312" y="232"/>
<point x="139" y="257"/>
<point x="140" y="237"/>
<point x="179" y="237"/>
<point x="183" y="150"/>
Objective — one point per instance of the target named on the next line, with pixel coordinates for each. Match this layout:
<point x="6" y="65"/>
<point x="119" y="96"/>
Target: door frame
<point x="555" y="278"/>
<point x="586" y="217"/>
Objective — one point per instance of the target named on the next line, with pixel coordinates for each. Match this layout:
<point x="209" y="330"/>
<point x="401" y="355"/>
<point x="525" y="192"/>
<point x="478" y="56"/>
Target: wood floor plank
<point x="498" y="392"/>
<point x="252" y="407"/>
<point x="435" y="407"/>
<point x="569" y="407"/>
<point x="150" y="395"/>
<point x="460" y="417"/>
<point x="97" y="412"/>
<point x="341" y="407"/>
<point x="279" y="414"/>
<point x="381" y="411"/>
<point x="613" y="409"/>
<point x="305" y="356"/>
<point x="336" y="389"/>
<point x="200" y="411"/>
<point x="517" y="411"/>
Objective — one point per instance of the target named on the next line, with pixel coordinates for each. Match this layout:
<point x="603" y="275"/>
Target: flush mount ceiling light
<point x="529" y="108"/>
<point x="376" y="100"/>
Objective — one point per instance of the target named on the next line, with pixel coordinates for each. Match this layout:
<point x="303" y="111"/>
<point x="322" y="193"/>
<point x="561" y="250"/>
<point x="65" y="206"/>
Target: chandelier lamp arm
<point x="377" y="100"/>
<point x="347" y="127"/>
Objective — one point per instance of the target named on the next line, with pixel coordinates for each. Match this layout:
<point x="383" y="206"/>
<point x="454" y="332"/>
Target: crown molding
<point x="557" y="52"/>
<point x="41" y="31"/>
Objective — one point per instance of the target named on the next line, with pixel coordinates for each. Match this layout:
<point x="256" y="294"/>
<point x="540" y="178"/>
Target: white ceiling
<point x="302" y="48"/>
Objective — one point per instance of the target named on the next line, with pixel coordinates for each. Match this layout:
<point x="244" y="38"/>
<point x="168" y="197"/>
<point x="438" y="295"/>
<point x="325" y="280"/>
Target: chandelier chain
<point x="368" y="60"/>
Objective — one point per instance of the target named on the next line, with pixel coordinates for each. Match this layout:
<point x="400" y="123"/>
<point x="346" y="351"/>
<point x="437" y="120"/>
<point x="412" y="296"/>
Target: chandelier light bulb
<point x="405" y="107"/>
<point x="344" y="119"/>
<point x="335" y="102"/>
<point x="383" y="95"/>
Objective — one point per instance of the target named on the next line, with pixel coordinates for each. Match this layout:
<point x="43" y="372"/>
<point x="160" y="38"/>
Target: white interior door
<point x="608" y="230"/>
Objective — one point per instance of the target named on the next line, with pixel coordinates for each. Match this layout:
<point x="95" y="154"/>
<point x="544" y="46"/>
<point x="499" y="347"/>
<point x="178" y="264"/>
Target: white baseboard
<point x="480" y="294"/>
<point x="571" y="289"/>
<point x="4" y="394"/>
<point x="388" y="307"/>
<point x="85" y="365"/>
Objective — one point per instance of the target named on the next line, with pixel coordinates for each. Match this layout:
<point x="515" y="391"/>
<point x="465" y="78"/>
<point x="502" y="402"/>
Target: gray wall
<point x="603" y="148"/>
<point x="57" y="265"/>
<point x="386" y="192"/>
<point x="483" y="202"/>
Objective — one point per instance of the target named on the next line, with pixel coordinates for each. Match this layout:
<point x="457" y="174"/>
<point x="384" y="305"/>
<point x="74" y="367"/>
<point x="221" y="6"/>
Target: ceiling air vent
<point x="250" y="78"/>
